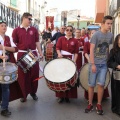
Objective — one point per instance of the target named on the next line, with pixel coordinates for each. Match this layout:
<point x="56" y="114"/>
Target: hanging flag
<point x="50" y="22"/>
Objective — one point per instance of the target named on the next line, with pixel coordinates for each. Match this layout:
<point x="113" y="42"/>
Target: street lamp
<point x="44" y="4"/>
<point x="78" y="18"/>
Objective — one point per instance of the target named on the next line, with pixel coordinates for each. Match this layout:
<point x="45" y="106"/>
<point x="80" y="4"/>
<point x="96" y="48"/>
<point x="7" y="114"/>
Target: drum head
<point x="84" y="78"/>
<point x="59" y="70"/>
<point x="9" y="68"/>
<point x="9" y="75"/>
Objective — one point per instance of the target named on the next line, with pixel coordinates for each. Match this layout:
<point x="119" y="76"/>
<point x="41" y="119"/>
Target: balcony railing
<point x="115" y="4"/>
<point x="12" y="18"/>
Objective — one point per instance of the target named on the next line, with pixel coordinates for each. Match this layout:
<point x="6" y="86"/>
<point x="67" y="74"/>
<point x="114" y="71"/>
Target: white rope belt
<point x="24" y="50"/>
<point x="67" y="53"/>
<point x="83" y="61"/>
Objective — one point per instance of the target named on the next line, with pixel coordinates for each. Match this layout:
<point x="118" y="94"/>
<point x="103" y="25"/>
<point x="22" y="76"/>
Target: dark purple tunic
<point x="71" y="46"/>
<point x="26" y="39"/>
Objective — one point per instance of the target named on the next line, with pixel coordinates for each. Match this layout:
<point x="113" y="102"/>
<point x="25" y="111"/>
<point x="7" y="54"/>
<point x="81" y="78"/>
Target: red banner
<point x="50" y="22"/>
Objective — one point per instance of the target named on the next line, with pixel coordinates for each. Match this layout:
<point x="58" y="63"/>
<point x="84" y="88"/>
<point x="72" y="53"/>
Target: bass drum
<point x="84" y="73"/>
<point x="60" y="74"/>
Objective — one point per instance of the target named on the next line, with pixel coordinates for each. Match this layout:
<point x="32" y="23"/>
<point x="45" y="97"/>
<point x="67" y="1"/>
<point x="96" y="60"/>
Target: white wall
<point x="116" y="29"/>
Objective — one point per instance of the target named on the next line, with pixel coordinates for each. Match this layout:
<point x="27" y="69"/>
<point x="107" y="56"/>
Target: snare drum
<point x="9" y="75"/>
<point x="27" y="61"/>
<point x="49" y="52"/>
<point x="84" y="73"/>
<point x="60" y="74"/>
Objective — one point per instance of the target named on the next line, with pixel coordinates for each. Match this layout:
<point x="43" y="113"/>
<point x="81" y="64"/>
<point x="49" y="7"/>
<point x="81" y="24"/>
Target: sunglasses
<point x="2" y="21"/>
<point x="30" y="19"/>
<point x="70" y="30"/>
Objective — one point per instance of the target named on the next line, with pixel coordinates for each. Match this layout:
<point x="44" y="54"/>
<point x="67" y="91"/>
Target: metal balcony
<point x="114" y="6"/>
<point x="12" y="18"/>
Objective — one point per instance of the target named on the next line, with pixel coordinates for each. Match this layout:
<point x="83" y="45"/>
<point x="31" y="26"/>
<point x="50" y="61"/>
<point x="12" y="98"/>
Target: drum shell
<point x="10" y="76"/>
<point x="63" y="86"/>
<point x="28" y="60"/>
<point x="49" y="52"/>
<point x="84" y="75"/>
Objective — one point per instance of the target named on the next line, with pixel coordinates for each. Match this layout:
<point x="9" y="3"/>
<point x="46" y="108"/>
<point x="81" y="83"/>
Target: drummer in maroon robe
<point x="7" y="92"/>
<point x="80" y="45"/>
<point x="86" y="54"/>
<point x="84" y="37"/>
<point x="67" y="47"/>
<point x="26" y="37"/>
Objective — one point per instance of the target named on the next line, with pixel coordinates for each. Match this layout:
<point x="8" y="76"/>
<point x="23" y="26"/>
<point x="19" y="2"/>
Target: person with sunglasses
<point x="67" y="46"/>
<point x="26" y="37"/>
<point x="57" y="35"/>
<point x="7" y="92"/>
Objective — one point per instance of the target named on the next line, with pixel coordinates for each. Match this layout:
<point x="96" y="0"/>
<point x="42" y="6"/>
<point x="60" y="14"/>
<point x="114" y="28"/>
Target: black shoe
<point x="60" y="100"/>
<point x="67" y="100"/>
<point x="5" y="112"/>
<point x="22" y="100"/>
<point x="118" y="113"/>
<point x="34" y="96"/>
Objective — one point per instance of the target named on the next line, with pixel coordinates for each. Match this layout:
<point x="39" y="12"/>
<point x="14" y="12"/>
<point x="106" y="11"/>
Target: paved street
<point x="47" y="108"/>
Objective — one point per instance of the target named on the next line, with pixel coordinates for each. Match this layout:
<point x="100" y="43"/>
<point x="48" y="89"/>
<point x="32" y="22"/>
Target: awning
<point x="93" y="27"/>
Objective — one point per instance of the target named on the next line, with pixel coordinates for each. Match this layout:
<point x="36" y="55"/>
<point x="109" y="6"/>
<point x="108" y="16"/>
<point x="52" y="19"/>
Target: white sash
<point x="2" y="43"/>
<point x="82" y="57"/>
<point x="24" y="50"/>
<point x="67" y="53"/>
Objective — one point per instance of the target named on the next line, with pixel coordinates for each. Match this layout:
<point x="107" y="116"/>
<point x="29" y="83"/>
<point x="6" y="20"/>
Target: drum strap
<point x="67" y="53"/>
<point x="82" y="57"/>
<point x="38" y="78"/>
<point x="24" y="50"/>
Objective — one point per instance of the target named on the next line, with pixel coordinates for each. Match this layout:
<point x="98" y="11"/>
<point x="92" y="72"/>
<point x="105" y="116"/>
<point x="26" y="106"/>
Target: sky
<point x="87" y="7"/>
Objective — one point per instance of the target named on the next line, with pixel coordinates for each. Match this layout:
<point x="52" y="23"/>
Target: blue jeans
<point x="5" y="96"/>
<point x="99" y="76"/>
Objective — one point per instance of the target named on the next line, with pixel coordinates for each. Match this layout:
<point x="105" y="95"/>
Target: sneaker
<point x="5" y="112"/>
<point x="99" y="109"/>
<point x="89" y="108"/>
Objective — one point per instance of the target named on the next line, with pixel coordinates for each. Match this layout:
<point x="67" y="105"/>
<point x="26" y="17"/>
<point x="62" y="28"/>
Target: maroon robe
<point x="86" y="49"/>
<point x="79" y="59"/>
<point x="15" y="91"/>
<point x="82" y="38"/>
<point x="106" y="93"/>
<point x="26" y="39"/>
<point x="71" y="46"/>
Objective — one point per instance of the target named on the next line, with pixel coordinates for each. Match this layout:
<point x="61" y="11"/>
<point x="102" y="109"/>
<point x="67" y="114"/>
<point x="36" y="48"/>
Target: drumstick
<point x="4" y="58"/>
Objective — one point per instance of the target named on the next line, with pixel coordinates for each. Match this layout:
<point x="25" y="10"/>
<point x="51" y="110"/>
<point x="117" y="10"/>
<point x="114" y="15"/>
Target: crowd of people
<point x="79" y="45"/>
<point x="92" y="47"/>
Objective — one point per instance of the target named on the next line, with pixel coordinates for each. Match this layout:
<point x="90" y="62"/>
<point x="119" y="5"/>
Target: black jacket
<point x="113" y="59"/>
<point x="46" y="36"/>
